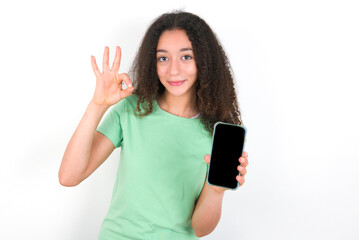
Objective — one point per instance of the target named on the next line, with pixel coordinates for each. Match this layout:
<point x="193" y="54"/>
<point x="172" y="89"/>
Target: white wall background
<point x="296" y="65"/>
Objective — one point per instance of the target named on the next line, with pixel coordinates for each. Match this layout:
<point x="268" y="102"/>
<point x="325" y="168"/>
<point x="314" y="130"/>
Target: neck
<point x="182" y="106"/>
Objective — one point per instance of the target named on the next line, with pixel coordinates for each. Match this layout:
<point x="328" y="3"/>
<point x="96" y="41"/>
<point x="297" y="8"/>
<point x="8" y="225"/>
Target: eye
<point x="186" y="57"/>
<point x="162" y="59"/>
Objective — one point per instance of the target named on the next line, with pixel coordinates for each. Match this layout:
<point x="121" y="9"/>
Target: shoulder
<point x="127" y="103"/>
<point x="131" y="101"/>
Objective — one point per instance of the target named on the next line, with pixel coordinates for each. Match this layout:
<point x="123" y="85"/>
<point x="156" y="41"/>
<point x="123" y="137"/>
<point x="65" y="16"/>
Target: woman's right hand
<point x="108" y="82"/>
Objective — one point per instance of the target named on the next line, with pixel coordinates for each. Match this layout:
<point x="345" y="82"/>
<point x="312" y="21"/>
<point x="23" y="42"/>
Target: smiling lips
<point x="176" y="83"/>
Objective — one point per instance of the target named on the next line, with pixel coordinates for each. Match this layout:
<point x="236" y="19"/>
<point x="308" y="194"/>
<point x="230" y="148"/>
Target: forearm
<point x="206" y="217"/>
<point x="78" y="151"/>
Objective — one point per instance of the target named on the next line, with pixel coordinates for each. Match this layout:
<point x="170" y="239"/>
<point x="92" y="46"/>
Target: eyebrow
<point x="182" y="50"/>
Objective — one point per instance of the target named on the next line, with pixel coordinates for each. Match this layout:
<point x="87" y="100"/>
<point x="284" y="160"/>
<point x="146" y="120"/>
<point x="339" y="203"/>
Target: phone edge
<point x="244" y="142"/>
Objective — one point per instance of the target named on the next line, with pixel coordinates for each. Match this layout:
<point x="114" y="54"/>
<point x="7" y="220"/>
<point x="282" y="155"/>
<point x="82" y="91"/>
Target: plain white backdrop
<point x="296" y="68"/>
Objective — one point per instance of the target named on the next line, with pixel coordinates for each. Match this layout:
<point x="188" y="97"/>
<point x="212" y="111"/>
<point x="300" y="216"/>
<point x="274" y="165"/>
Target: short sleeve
<point x="110" y="126"/>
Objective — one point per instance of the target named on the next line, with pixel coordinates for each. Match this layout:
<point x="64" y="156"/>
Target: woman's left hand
<point x="242" y="168"/>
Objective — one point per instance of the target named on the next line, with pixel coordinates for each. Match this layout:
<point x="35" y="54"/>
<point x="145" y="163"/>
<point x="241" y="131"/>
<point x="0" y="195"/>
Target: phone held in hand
<point x="227" y="147"/>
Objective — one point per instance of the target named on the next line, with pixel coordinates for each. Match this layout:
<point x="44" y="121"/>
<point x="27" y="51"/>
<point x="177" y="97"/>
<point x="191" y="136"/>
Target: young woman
<point x="182" y="85"/>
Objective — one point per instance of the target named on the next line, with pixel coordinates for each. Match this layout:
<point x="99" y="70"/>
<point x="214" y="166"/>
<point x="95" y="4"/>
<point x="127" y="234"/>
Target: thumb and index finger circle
<point x="123" y="77"/>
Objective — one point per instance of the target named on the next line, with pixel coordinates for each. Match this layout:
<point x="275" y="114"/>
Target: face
<point x="176" y="66"/>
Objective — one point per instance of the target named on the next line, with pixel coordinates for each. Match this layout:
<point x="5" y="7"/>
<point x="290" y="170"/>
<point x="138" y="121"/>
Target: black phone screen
<point x="227" y="148"/>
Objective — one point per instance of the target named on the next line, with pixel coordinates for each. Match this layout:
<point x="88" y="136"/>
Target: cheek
<point x="192" y="71"/>
<point x="161" y="71"/>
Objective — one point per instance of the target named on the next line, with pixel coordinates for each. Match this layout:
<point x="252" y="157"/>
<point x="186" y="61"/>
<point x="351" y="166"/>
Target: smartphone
<point x="227" y="147"/>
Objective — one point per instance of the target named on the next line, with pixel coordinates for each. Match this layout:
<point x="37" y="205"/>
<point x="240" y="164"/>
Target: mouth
<point x="176" y="83"/>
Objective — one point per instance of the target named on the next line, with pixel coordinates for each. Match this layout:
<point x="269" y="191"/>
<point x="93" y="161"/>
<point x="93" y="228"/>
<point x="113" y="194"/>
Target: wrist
<point x="98" y="107"/>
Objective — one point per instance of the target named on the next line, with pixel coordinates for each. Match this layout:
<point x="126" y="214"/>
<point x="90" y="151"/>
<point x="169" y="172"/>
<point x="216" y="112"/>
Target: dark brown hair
<point x="216" y="98"/>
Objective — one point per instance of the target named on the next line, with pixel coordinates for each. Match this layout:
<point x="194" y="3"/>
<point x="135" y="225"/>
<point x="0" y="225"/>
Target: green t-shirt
<point x="160" y="176"/>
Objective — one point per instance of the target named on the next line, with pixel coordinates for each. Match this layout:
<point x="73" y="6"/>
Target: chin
<point x="176" y="93"/>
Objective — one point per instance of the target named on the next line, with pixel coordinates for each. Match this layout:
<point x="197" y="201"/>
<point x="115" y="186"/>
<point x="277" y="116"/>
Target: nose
<point x="175" y="67"/>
